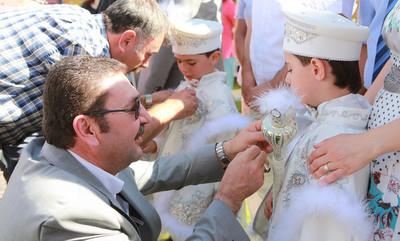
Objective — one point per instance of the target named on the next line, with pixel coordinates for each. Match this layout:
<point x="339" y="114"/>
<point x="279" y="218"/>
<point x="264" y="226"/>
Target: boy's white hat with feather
<point x="323" y="34"/>
<point x="196" y="36"/>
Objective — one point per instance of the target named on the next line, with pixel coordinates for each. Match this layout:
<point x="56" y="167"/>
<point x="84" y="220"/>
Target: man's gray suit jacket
<point x="51" y="196"/>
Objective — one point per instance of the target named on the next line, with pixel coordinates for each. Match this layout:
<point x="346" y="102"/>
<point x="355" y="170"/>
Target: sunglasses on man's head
<point x="135" y="109"/>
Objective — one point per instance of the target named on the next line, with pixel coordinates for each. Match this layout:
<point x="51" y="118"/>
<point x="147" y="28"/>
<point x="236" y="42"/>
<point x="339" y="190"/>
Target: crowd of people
<point x="118" y="122"/>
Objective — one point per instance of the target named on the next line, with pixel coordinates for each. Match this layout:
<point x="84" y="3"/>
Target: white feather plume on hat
<point x="283" y="99"/>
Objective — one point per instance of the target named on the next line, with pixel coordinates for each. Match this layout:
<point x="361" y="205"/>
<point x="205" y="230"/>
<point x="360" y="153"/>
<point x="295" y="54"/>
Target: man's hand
<point x="179" y="105"/>
<point x="244" y="176"/>
<point x="188" y="99"/>
<point x="161" y="96"/>
<point x="252" y="135"/>
<point x="150" y="147"/>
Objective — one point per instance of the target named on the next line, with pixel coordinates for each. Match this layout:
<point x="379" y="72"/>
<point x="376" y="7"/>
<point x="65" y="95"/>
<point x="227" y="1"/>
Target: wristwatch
<point x="148" y="100"/>
<point x="221" y="155"/>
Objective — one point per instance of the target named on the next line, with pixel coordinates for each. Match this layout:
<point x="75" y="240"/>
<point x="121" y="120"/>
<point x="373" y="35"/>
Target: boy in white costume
<point x="196" y="45"/>
<point x="321" y="52"/>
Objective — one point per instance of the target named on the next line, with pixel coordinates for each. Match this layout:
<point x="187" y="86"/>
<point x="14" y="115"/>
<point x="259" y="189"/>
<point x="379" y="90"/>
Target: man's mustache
<point x="140" y="132"/>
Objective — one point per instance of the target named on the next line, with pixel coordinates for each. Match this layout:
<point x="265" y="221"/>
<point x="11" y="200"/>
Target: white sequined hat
<point x="323" y="34"/>
<point x="196" y="36"/>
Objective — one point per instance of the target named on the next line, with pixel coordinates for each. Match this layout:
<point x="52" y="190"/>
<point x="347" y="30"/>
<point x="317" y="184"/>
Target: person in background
<point x="241" y="33"/>
<point x="228" y="53"/>
<point x="228" y="23"/>
<point x="243" y="21"/>
<point x="375" y="52"/>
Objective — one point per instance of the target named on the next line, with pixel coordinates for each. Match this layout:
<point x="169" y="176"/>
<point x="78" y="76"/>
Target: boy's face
<point x="197" y="65"/>
<point x="301" y="79"/>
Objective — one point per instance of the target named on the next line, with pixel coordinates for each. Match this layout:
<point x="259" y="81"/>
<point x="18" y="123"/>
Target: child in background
<point x="228" y="23"/>
<point x="196" y="45"/>
<point x="321" y="52"/>
<point x="228" y="54"/>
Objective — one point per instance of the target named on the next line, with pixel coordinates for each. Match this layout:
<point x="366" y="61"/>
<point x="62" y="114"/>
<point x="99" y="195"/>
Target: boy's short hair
<point x="347" y="73"/>
<point x="209" y="53"/>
